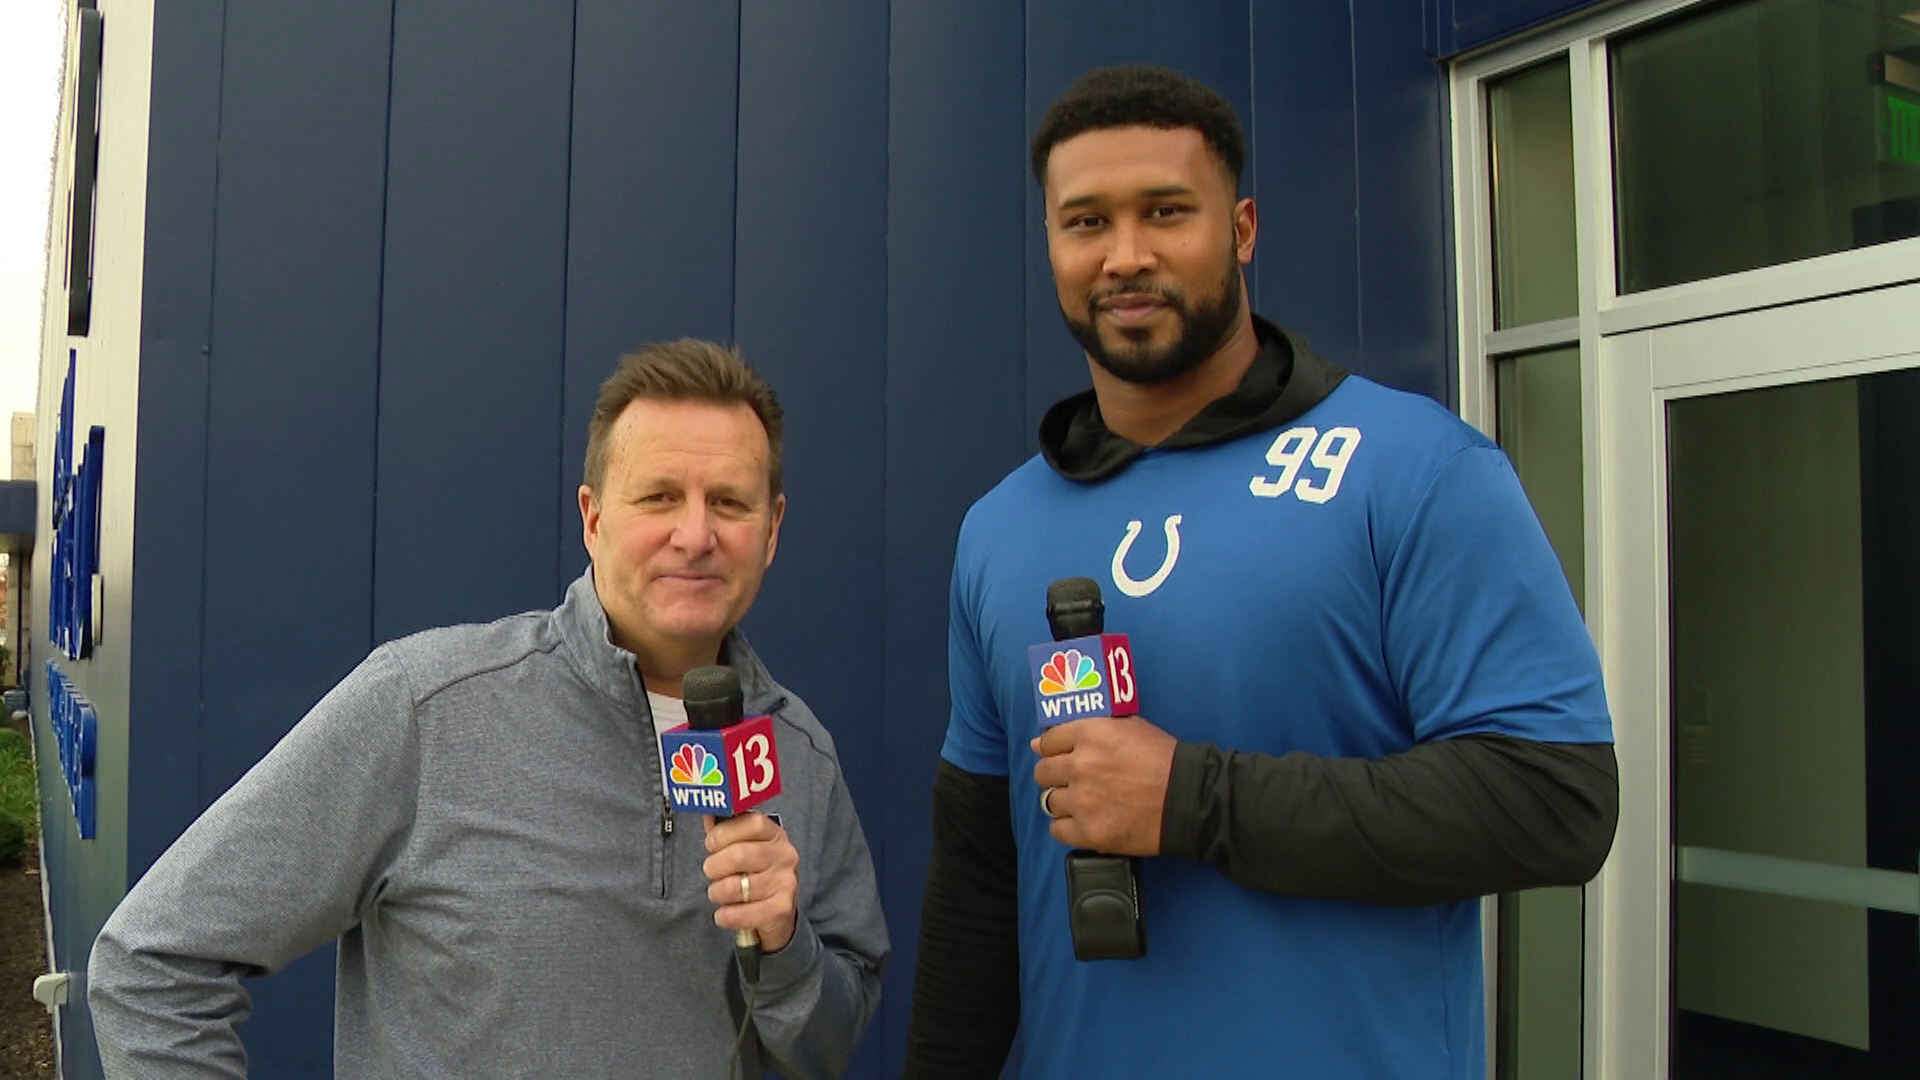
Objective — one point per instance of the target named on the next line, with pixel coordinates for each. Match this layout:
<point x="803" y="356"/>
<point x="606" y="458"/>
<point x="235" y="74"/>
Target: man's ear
<point x="773" y="537"/>
<point x="589" y="520"/>
<point x="1246" y="226"/>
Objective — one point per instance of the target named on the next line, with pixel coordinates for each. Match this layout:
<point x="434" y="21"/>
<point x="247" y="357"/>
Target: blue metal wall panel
<point x="1469" y="24"/>
<point x="1400" y="142"/>
<point x="163" y="724"/>
<point x="957" y="191"/>
<point x="473" y="325"/>
<point x="290" y="414"/>
<point x="1207" y="39"/>
<point x="810" y="302"/>
<point x="650" y="230"/>
<point x="1303" y="137"/>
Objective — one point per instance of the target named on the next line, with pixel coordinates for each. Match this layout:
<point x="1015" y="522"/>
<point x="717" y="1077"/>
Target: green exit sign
<point x="1899" y="130"/>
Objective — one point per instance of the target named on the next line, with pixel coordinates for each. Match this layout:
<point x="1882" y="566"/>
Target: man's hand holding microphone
<point x="753" y="875"/>
<point x="1107" y="778"/>
<point x="721" y="765"/>
<point x="1102" y="772"/>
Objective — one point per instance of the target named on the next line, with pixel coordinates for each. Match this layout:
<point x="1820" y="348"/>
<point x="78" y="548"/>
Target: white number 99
<point x="1332" y="452"/>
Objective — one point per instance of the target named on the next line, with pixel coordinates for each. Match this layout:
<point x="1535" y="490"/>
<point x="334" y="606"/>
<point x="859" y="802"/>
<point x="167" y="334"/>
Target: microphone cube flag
<point x="1081" y="677"/>
<point x="724" y="771"/>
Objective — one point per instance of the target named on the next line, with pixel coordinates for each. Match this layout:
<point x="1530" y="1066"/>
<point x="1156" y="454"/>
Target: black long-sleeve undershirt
<point x="1446" y="820"/>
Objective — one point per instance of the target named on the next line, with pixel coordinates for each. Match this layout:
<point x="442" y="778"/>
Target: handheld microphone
<point x="721" y="763"/>
<point x="1084" y="672"/>
<point x="1088" y="672"/>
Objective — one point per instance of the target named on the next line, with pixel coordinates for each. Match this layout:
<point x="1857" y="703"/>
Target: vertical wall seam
<point x="566" y="281"/>
<point x="1253" y="150"/>
<point x="379" y="339"/>
<point x="733" y="242"/>
<point x="206" y="419"/>
<point x="1359" y="250"/>
<point x="886" y="412"/>
<point x="1026" y="267"/>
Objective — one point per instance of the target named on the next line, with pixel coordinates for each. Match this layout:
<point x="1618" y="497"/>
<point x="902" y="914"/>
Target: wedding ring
<point x="746" y="893"/>
<point x="1046" y="803"/>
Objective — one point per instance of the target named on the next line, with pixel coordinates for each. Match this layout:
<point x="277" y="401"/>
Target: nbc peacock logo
<point x="693" y="765"/>
<point x="1068" y="671"/>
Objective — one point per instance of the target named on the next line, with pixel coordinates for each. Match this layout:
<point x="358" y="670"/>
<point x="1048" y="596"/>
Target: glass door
<point x="1760" y="618"/>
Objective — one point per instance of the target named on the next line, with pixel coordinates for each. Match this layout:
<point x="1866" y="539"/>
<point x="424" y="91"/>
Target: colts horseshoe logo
<point x="1138" y="589"/>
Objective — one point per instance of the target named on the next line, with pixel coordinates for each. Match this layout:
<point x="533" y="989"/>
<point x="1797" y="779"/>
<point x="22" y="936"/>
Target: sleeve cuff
<point x="782" y="971"/>
<point x="1183" y="817"/>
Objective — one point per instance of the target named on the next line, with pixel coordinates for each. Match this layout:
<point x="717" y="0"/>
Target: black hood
<point x="1287" y="378"/>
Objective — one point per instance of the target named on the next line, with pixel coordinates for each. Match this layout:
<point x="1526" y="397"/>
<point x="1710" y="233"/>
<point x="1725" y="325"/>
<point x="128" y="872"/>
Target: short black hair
<point x="1140" y="95"/>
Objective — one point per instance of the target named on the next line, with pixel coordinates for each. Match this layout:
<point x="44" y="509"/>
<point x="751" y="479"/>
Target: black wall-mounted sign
<point x="84" y="169"/>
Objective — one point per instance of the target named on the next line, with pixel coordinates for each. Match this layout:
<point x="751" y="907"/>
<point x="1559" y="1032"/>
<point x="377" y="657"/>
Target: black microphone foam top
<point x="713" y="697"/>
<point x="1074" y="608"/>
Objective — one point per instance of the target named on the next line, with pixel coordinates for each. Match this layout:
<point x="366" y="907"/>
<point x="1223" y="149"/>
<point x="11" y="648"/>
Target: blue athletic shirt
<point x="1364" y="578"/>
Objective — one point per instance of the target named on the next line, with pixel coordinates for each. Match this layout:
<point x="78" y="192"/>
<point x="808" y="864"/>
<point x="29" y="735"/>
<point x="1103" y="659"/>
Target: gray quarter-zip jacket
<point x="476" y="814"/>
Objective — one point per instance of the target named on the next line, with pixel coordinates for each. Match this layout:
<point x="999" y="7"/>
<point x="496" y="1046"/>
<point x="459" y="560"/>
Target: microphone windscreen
<point x="1074" y="608"/>
<point x="713" y="698"/>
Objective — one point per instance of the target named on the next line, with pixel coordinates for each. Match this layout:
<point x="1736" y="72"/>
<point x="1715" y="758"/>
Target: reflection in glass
<point x="1530" y="115"/>
<point x="1795" y="597"/>
<point x="1539" y="427"/>
<point x="1759" y="132"/>
<point x="1541" y="952"/>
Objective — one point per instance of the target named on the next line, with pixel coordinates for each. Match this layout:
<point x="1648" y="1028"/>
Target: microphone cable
<point x="737" y="1066"/>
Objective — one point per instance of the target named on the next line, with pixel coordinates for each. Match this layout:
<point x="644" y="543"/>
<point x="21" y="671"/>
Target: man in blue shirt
<point x="1367" y="697"/>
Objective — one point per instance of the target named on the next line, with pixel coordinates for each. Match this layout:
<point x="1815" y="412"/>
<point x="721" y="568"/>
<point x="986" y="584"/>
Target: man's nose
<point x="1129" y="256"/>
<point x="693" y="531"/>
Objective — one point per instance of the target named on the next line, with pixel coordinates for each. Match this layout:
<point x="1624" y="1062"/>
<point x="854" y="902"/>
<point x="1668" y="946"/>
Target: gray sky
<point x="32" y="36"/>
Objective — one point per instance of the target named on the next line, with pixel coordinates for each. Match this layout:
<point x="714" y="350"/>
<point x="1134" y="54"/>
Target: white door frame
<point x="1639" y="373"/>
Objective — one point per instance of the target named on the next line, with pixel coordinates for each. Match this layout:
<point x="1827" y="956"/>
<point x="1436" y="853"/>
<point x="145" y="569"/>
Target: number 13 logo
<point x="1120" y="669"/>
<point x="761" y="770"/>
<point x="1301" y="446"/>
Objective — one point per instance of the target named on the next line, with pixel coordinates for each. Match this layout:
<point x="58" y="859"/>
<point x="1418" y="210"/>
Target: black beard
<point x="1203" y="330"/>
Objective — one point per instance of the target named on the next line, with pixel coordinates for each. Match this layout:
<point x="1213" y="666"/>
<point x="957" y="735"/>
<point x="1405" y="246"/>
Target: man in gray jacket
<point x="477" y="813"/>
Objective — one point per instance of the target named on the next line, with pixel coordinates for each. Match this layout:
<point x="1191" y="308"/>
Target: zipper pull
<point x="666" y="817"/>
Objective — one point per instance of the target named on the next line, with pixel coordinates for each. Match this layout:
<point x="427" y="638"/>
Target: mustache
<point x="1173" y="297"/>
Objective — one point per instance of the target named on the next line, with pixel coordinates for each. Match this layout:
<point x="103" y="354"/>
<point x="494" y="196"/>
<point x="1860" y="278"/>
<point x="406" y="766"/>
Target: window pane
<point x="1541" y="950"/>
<point x="1761" y="132"/>
<point x="1795" y="617"/>
<point x="1539" y="427"/>
<point x="1541" y="965"/>
<point x="1531" y="118"/>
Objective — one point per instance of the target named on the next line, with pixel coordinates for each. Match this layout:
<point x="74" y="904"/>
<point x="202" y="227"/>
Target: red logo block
<point x="727" y="771"/>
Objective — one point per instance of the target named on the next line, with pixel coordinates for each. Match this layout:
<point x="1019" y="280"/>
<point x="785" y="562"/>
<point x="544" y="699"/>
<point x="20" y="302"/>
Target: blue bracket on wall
<point x="76" y="732"/>
<point x="76" y="530"/>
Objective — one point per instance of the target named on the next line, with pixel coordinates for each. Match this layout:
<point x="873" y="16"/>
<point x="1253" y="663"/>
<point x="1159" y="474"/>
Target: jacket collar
<point x="587" y="640"/>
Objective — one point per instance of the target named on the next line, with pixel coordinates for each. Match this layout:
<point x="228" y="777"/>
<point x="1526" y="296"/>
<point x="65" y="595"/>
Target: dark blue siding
<point x="810" y="297"/>
<point x="650" y="229"/>
<point x="1302" y="132"/>
<point x="1458" y="25"/>
<point x="473" y="326"/>
<point x="1400" y="151"/>
<point x="290" y="408"/>
<point x="957" y="192"/>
